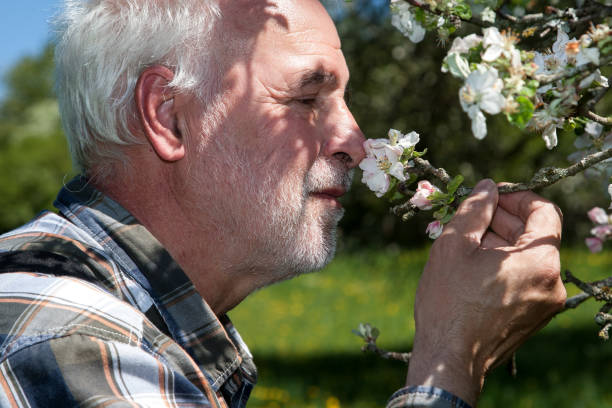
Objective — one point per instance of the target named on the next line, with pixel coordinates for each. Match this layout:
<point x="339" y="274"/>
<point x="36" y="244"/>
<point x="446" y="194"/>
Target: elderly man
<point x="214" y="141"/>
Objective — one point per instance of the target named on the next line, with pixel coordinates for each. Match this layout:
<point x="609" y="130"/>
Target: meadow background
<point x="300" y="330"/>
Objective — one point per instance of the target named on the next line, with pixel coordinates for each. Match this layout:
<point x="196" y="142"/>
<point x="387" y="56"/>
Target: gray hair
<point x="104" y="45"/>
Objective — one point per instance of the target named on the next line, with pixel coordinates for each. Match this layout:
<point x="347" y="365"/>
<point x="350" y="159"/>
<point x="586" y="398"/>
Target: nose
<point x="344" y="139"/>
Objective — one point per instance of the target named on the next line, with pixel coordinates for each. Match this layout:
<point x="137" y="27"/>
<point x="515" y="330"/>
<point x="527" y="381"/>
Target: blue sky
<point x="24" y="29"/>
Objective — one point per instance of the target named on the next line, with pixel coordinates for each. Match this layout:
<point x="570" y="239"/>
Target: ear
<point x="156" y="112"/>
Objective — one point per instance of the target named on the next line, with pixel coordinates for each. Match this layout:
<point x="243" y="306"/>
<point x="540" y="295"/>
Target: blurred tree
<point x="398" y="84"/>
<point x="34" y="158"/>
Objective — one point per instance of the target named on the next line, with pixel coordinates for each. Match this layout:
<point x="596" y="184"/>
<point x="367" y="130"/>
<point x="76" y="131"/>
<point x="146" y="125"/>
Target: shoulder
<point x="92" y="366"/>
<point x="38" y="307"/>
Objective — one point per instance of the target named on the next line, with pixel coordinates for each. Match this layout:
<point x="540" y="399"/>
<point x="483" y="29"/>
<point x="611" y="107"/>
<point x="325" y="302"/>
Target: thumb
<point x="475" y="213"/>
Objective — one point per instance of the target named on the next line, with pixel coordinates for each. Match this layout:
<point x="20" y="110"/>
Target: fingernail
<point x="486" y="185"/>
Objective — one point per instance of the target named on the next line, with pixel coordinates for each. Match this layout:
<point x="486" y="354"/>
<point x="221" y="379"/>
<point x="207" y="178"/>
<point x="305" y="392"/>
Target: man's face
<point x="270" y="169"/>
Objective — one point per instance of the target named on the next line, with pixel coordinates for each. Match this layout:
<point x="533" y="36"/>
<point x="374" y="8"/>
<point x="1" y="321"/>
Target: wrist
<point x="436" y="367"/>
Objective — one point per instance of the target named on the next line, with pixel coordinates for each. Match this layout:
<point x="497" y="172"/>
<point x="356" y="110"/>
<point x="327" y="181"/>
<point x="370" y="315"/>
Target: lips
<point x="330" y="194"/>
<point x="334" y="192"/>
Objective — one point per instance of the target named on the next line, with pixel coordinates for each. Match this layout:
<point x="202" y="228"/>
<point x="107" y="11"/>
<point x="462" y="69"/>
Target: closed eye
<point x="307" y="101"/>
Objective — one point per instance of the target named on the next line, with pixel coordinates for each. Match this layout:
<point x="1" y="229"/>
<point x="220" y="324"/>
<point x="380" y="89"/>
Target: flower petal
<point x="397" y="171"/>
<point x="479" y="125"/>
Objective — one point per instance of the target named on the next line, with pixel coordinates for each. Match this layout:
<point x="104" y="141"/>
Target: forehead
<point x="290" y="36"/>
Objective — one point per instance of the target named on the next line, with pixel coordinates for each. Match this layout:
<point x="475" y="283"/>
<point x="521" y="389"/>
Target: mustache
<point x="327" y="174"/>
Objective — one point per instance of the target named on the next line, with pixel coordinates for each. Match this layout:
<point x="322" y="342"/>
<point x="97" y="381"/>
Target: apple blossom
<point x="488" y="15"/>
<point x="556" y="61"/>
<point x="421" y="198"/>
<point x="482" y="90"/>
<point x="383" y="159"/>
<point x="594" y="244"/>
<point x="434" y="229"/>
<point x="602" y="232"/>
<point x="403" y="19"/>
<point x="462" y="45"/>
<point x="598" y="215"/>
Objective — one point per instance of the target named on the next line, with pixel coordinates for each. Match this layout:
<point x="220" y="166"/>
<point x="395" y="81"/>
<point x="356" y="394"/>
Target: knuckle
<point x="560" y="298"/>
<point x="548" y="275"/>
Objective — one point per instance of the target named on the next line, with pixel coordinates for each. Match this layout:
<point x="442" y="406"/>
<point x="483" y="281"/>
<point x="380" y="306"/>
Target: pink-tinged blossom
<point x="434" y="229"/>
<point x="421" y="198"/>
<point x="594" y="244"/>
<point x="602" y="232"/>
<point x="598" y="215"/>
<point x="383" y="160"/>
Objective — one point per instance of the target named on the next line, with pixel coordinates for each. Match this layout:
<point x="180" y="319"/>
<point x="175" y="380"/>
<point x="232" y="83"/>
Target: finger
<point x="491" y="241"/>
<point x="507" y="226"/>
<point x="541" y="217"/>
<point x="474" y="215"/>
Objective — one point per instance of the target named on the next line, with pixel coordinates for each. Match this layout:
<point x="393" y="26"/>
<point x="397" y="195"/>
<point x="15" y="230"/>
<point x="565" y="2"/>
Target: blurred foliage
<point x="33" y="154"/>
<point x="398" y="84"/>
<point x="394" y="83"/>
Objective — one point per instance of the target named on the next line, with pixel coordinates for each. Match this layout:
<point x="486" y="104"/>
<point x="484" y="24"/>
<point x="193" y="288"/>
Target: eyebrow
<point x="317" y="77"/>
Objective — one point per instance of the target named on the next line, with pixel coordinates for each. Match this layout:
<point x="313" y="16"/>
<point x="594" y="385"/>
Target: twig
<point x="543" y="178"/>
<point x="550" y="175"/>
<point x="599" y="119"/>
<point x="576" y="300"/>
<point x="568" y="73"/>
<point x="604" y="319"/>
<point x="600" y="290"/>
<point x="389" y="355"/>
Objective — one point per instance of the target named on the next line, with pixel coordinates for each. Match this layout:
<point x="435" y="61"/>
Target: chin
<point x="312" y="250"/>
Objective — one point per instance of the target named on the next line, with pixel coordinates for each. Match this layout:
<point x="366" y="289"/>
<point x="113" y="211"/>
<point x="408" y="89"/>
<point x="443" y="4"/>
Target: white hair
<point x="104" y="45"/>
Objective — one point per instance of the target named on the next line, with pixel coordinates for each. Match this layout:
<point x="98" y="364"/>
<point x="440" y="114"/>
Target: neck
<point x="200" y="248"/>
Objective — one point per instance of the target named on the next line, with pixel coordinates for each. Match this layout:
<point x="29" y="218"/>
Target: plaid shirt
<point x="106" y="318"/>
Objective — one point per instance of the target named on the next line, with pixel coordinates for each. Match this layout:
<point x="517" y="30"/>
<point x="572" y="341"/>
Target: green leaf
<point x="396" y="196"/>
<point x="441" y="213"/>
<point x="454" y="184"/>
<point x="438" y="197"/>
<point x="419" y="15"/>
<point x="524" y="112"/>
<point x="463" y="11"/>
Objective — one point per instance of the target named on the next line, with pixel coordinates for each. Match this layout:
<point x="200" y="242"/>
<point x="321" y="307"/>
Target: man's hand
<point x="492" y="279"/>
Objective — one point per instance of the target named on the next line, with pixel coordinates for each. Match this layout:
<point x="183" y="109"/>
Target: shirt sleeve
<point x="79" y="370"/>
<point x="425" y="397"/>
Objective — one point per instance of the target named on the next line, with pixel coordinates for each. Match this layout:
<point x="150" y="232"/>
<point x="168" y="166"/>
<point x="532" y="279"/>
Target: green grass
<point x="300" y="334"/>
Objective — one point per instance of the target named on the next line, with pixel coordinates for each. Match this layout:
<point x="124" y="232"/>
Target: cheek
<point x="290" y="140"/>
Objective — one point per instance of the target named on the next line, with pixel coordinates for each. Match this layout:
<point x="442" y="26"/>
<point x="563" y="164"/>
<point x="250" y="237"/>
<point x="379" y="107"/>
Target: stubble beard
<point x="299" y="233"/>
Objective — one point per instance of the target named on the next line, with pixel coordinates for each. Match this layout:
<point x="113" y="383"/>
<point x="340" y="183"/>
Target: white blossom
<point x="403" y="19"/>
<point x="482" y="91"/>
<point x="457" y="65"/>
<point x="383" y="160"/>
<point x="488" y="15"/>
<point x="543" y="121"/>
<point x="556" y="61"/>
<point x="463" y="45"/>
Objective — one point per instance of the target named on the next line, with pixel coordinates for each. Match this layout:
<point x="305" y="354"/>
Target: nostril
<point x="343" y="158"/>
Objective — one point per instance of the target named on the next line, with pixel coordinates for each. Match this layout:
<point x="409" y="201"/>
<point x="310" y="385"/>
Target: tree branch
<point x="543" y="178"/>
<point x="600" y="290"/>
<point x="599" y="119"/>
<point x="550" y="175"/>
<point x="568" y="73"/>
